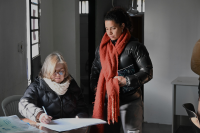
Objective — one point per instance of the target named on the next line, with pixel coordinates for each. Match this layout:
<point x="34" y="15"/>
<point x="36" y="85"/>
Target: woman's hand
<point x="44" y="118"/>
<point x="121" y="80"/>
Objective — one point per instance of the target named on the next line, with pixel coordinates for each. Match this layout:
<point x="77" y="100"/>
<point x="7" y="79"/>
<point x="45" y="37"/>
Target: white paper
<point x="12" y="124"/>
<point x="66" y="124"/>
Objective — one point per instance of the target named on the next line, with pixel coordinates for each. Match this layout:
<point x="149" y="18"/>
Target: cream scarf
<point x="60" y="89"/>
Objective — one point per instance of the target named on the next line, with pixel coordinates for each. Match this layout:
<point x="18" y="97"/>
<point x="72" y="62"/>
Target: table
<point x="46" y="130"/>
<point x="180" y="81"/>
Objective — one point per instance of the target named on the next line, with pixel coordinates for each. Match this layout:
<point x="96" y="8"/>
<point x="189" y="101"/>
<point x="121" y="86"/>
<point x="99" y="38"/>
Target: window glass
<point x="34" y="1"/>
<point x="35" y="50"/>
<point x="34" y="24"/>
<point x="83" y="6"/>
<point x="34" y="10"/>
<point x="87" y="7"/>
<point x="141" y="5"/>
<point x="35" y="36"/>
<point x="79" y="7"/>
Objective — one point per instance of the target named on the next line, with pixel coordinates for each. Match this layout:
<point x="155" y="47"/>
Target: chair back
<point x="195" y="125"/>
<point x="190" y="109"/>
<point x="10" y="105"/>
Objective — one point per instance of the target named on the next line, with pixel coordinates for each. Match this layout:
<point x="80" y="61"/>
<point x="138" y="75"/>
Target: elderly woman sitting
<point x="56" y="91"/>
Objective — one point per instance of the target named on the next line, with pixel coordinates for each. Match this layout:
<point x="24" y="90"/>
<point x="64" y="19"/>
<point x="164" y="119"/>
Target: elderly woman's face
<point x="59" y="74"/>
<point x="113" y="29"/>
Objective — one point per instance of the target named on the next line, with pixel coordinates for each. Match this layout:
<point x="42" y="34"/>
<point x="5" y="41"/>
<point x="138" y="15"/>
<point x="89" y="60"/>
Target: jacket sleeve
<point x="95" y="71"/>
<point x="143" y="61"/>
<point x="28" y="103"/>
<point x="195" y="60"/>
<point x="81" y="107"/>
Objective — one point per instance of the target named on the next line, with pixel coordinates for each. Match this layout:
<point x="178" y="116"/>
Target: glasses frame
<point x="59" y="73"/>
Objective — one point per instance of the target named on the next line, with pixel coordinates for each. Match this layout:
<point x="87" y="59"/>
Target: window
<point x="33" y="33"/>
<point x="141" y="5"/>
<point x="83" y="7"/>
<point x="35" y="29"/>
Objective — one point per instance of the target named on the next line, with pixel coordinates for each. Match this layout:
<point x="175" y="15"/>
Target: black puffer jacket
<point x="39" y="94"/>
<point x="134" y="53"/>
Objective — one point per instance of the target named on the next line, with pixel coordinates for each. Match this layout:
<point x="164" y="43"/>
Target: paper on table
<point x="12" y="124"/>
<point x="65" y="124"/>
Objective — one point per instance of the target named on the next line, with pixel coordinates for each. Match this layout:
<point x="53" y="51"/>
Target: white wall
<point x="171" y="30"/>
<point x="60" y="31"/>
<point x="13" y="78"/>
<point x="66" y="33"/>
<point x="46" y="23"/>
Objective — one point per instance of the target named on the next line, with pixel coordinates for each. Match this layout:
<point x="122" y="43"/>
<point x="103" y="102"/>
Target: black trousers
<point x="130" y="120"/>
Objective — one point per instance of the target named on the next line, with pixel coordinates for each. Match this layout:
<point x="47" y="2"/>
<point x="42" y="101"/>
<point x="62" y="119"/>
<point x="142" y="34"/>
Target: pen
<point x="44" y="110"/>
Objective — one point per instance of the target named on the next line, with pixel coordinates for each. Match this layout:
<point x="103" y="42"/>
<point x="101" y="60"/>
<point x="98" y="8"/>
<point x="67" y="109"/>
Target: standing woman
<point x="56" y="91"/>
<point x="119" y="95"/>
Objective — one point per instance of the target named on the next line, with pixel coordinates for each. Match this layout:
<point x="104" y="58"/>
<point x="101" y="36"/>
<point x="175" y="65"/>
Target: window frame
<point x="38" y="4"/>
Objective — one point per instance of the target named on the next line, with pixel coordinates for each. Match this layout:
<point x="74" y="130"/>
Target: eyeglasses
<point x="60" y="72"/>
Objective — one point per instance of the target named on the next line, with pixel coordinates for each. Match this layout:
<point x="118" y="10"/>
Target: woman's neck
<point x="114" y="41"/>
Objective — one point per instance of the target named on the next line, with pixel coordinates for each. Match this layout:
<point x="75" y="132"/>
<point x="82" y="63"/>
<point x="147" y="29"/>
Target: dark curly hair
<point x="119" y="15"/>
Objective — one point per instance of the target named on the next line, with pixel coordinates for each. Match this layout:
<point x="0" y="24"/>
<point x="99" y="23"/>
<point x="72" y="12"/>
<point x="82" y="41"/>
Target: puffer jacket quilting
<point x="134" y="53"/>
<point x="39" y="94"/>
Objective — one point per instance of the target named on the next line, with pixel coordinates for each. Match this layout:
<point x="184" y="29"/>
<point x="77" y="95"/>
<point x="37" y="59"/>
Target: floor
<point x="157" y="128"/>
<point x="162" y="128"/>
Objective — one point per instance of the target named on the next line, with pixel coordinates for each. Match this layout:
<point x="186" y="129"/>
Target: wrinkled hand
<point x="121" y="80"/>
<point x="44" y="118"/>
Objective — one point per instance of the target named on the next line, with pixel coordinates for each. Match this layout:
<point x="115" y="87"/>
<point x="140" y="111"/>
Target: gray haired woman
<point x="56" y="91"/>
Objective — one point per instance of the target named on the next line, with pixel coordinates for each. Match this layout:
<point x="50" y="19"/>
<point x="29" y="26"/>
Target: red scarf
<point x="107" y="83"/>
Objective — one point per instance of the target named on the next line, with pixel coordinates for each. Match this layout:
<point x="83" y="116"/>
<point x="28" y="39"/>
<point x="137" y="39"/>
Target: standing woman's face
<point x="113" y="29"/>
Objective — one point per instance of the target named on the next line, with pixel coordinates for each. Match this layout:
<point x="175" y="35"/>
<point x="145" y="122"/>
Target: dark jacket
<point x="134" y="53"/>
<point x="39" y="94"/>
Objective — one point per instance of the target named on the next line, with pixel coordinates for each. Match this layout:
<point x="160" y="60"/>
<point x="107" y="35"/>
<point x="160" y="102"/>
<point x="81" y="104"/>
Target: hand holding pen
<point x="44" y="117"/>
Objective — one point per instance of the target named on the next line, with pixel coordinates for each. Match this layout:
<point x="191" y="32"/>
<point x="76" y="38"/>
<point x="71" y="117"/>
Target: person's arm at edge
<point x="195" y="60"/>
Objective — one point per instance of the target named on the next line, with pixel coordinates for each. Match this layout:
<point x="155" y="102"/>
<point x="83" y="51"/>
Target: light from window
<point x="79" y="7"/>
<point x="34" y="24"/>
<point x="141" y="7"/>
<point x="35" y="35"/>
<point x="83" y="7"/>
<point x="35" y="50"/>
<point x="34" y="1"/>
<point x="34" y="11"/>
<point x="87" y="7"/>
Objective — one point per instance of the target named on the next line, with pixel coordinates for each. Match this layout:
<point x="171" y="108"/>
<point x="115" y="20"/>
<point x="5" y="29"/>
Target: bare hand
<point x="77" y="117"/>
<point x="121" y="80"/>
<point x="44" y="118"/>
